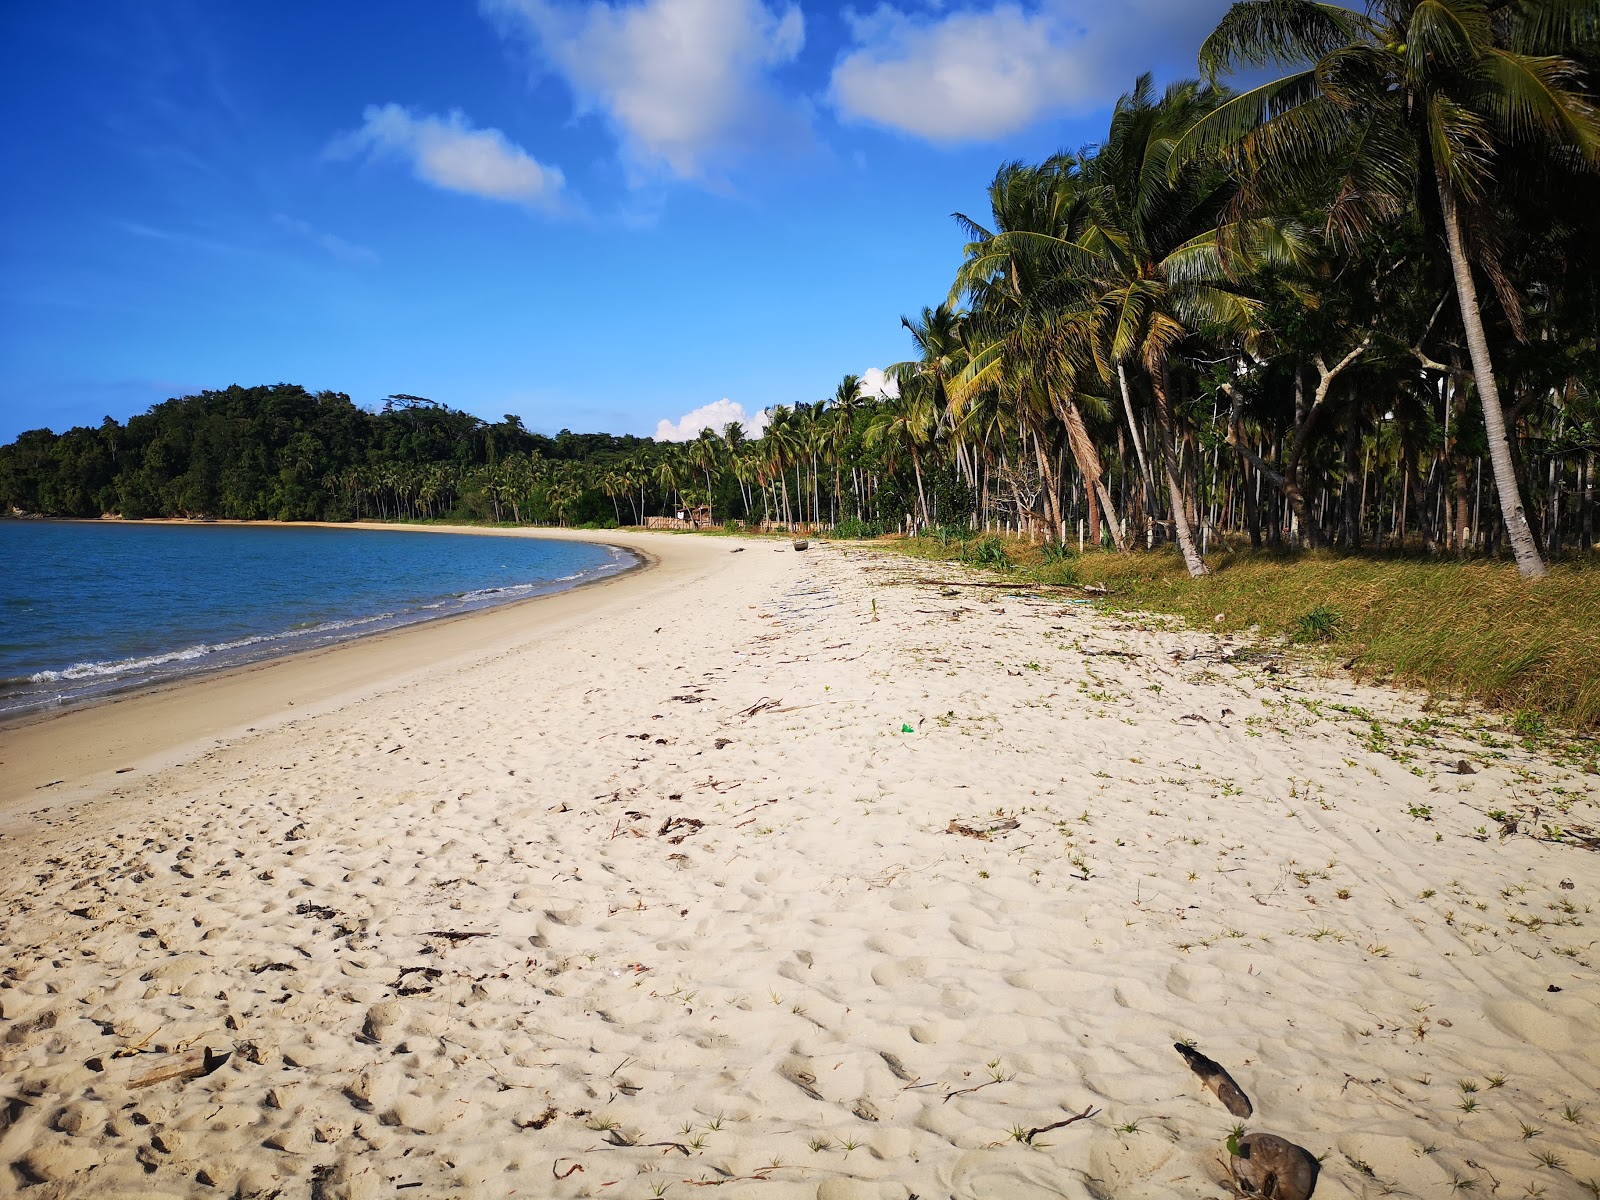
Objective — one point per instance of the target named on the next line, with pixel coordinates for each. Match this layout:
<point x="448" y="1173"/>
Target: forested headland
<point x="1356" y="306"/>
<point x="281" y="453"/>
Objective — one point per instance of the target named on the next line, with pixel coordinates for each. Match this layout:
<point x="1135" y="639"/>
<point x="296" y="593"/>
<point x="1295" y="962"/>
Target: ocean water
<point x="88" y="608"/>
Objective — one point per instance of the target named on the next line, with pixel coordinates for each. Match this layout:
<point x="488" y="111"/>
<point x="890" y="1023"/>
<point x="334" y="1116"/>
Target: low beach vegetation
<point x="1458" y="629"/>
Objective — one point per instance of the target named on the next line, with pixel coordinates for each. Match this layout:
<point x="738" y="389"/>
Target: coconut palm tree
<point x="783" y="447"/>
<point x="942" y="353"/>
<point x="1411" y="100"/>
<point x="734" y="440"/>
<point x="907" y="425"/>
<point x="842" y="411"/>
<point x="704" y="453"/>
<point x="668" y="471"/>
<point x="1028" y="282"/>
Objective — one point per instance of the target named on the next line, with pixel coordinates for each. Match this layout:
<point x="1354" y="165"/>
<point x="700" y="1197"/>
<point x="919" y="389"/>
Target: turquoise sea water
<point x="89" y="608"/>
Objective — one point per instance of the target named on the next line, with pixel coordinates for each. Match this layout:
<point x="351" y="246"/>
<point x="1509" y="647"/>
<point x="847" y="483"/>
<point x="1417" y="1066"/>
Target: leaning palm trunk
<point x="1088" y="460"/>
<point x="922" y="496"/>
<point x="1138" y="442"/>
<point x="1529" y="563"/>
<point x="1180" y="512"/>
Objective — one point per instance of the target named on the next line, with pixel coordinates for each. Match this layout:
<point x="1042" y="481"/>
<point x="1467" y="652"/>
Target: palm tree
<point x="783" y="446"/>
<point x="812" y="434"/>
<point x="1027" y="282"/>
<point x="733" y="442"/>
<point x="1164" y="271"/>
<point x="703" y="453"/>
<point x="668" y="470"/>
<point x="565" y="490"/>
<point x="615" y="483"/>
<point x="1411" y="100"/>
<point x="907" y="425"/>
<point x="846" y="400"/>
<point x="938" y="334"/>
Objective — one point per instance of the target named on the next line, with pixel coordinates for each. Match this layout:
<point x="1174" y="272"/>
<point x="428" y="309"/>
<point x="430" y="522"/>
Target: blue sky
<point x="595" y="216"/>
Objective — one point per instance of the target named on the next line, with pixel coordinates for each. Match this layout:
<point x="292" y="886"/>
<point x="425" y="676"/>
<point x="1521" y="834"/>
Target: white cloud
<point x="685" y="83"/>
<point x="449" y="153"/>
<point x="715" y="417"/>
<point x="876" y="384"/>
<point x="350" y="254"/>
<point x="979" y="74"/>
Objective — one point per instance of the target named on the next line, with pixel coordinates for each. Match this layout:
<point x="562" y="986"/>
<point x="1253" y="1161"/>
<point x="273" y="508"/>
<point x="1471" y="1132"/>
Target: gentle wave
<point x="129" y="666"/>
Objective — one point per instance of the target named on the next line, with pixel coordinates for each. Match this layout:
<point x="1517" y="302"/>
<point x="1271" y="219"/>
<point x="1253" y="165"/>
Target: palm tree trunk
<point x="1180" y="515"/>
<point x="1049" y="475"/>
<point x="1529" y="564"/>
<point x="1138" y="443"/>
<point x="922" y="499"/>
<point x="1088" y="460"/>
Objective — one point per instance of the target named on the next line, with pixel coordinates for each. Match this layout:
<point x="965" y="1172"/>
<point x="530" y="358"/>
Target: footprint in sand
<point x="1548" y="1030"/>
<point x="897" y="971"/>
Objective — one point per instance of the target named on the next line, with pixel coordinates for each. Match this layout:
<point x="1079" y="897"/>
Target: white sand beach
<point x="783" y="875"/>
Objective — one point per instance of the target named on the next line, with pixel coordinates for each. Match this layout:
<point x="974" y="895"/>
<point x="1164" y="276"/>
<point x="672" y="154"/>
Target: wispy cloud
<point x="686" y="84"/>
<point x="348" y="253"/>
<point x="181" y="238"/>
<point x="449" y="153"/>
<point x="978" y="74"/>
<point x="716" y="417"/>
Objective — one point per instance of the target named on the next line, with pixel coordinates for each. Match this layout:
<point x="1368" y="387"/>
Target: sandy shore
<point x="788" y="874"/>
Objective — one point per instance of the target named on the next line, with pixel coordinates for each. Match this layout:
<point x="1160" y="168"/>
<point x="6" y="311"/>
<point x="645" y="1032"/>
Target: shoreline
<point x="417" y="617"/>
<point x="144" y="726"/>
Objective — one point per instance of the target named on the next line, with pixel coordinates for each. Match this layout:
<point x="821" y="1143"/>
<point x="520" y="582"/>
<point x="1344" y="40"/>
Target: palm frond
<point x="1552" y="26"/>
<point x="1161" y="339"/>
<point x="1199" y="260"/>
<point x="1080" y="255"/>
<point x="1459" y="143"/>
<point x="1445" y="34"/>
<point x="1240" y="116"/>
<point x="1258" y="32"/>
<point x="1528" y="96"/>
<point x="974" y="231"/>
<point x="1217" y="309"/>
<point x="1375" y="182"/>
<point x="984" y="370"/>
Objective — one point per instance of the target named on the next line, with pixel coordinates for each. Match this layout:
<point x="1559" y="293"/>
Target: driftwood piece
<point x="1264" y="1164"/>
<point x="1217" y="1080"/>
<point x="1015" y="585"/>
<point x="982" y="835"/>
<point x="187" y="1065"/>
<point x="1073" y="1120"/>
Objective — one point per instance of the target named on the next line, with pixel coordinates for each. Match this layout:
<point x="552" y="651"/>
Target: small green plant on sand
<point x="1321" y="624"/>
<point x="1528" y="724"/>
<point x="986" y="552"/>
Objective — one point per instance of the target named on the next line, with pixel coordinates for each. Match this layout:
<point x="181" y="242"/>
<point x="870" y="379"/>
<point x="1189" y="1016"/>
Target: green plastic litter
<point x="907" y="729"/>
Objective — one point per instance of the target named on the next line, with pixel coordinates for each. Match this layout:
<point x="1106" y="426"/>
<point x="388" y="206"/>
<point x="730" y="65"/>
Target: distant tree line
<point x="283" y="453"/>
<point x="1358" y="305"/>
